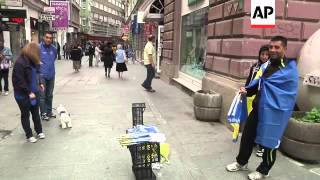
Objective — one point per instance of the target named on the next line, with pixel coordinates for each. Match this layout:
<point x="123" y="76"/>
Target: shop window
<point x="193" y="43"/>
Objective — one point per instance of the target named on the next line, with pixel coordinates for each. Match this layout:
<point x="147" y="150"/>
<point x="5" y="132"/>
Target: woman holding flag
<point x="256" y="71"/>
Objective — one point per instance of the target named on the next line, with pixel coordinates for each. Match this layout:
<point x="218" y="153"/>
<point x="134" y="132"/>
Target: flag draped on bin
<point x="237" y="113"/>
<point x="140" y="134"/>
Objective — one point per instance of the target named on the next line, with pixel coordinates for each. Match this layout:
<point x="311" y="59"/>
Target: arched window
<point x="157" y="7"/>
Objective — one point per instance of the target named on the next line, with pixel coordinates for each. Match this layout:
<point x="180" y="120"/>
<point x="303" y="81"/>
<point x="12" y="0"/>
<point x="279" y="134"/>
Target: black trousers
<point x="150" y="75"/>
<point x="248" y="142"/>
<point x="25" y="109"/>
<point x="90" y="60"/>
<point x="4" y="74"/>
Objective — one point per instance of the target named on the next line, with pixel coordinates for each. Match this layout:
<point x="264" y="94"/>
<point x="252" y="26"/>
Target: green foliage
<point x="312" y="116"/>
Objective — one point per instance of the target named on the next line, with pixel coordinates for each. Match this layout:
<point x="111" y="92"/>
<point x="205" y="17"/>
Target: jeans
<point x="46" y="96"/>
<point x="4" y="74"/>
<point x="25" y="109"/>
<point x="247" y="144"/>
<point x="150" y="75"/>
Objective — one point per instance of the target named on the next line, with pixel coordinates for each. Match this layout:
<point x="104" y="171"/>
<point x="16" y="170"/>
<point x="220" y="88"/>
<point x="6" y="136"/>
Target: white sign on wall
<point x="312" y="79"/>
<point x="263" y="14"/>
<point x="47" y="17"/>
<point x="49" y="9"/>
<point x="140" y="17"/>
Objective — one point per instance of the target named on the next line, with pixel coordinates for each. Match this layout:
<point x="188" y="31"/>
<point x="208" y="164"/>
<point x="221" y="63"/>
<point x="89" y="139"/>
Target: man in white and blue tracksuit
<point x="48" y="54"/>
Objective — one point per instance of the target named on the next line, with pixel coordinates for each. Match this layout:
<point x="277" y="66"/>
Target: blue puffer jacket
<point x="48" y="57"/>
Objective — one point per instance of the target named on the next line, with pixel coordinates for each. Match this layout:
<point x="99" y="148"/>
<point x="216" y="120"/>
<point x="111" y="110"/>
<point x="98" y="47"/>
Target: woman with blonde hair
<point x="26" y="85"/>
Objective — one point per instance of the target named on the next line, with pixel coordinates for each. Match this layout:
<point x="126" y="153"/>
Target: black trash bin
<point x="143" y="155"/>
<point x="137" y="113"/>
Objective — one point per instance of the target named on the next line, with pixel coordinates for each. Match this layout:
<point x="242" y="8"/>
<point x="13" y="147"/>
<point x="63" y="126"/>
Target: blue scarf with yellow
<point x="277" y="99"/>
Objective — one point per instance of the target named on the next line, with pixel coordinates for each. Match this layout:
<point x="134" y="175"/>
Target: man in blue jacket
<point x="47" y="75"/>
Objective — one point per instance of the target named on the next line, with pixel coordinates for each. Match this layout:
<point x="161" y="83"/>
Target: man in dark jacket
<point x="108" y="58"/>
<point x="91" y="54"/>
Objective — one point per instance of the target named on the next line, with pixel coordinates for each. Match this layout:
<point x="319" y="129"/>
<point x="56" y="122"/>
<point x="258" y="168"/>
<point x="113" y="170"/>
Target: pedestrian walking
<point x="108" y="58"/>
<point x="131" y="55"/>
<point x="97" y="54"/>
<point x="256" y="71"/>
<point x="149" y="57"/>
<point x="5" y="60"/>
<point x="58" y="51"/>
<point x="276" y="93"/>
<point x="68" y="51"/>
<point x="48" y="54"/>
<point x="64" y="50"/>
<point x="121" y="61"/>
<point x="91" y="51"/>
<point x="26" y="85"/>
<point x="76" y="55"/>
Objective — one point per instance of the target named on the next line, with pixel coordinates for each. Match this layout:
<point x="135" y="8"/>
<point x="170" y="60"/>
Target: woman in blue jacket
<point x="26" y="85"/>
<point x="121" y="59"/>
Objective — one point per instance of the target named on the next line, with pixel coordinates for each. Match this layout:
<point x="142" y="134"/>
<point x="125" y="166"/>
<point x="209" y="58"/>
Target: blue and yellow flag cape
<point x="277" y="100"/>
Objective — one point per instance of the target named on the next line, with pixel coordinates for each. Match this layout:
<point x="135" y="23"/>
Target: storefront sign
<point x="47" y="17"/>
<point x="61" y="14"/>
<point x="13" y="13"/>
<point x="263" y="14"/>
<point x="312" y="80"/>
<point x="17" y="20"/>
<point x="49" y="10"/>
<point x="70" y="29"/>
<point x="14" y="3"/>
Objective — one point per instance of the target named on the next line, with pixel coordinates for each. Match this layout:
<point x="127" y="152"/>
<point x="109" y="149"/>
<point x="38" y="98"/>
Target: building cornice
<point x="35" y="4"/>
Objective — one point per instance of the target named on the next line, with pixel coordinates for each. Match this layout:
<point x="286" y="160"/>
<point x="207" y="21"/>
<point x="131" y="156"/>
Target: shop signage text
<point x="263" y="14"/>
<point x="17" y="20"/>
<point x="47" y="17"/>
<point x="61" y="21"/>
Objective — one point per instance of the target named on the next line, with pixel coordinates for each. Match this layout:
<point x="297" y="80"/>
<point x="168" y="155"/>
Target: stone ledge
<point x="188" y="82"/>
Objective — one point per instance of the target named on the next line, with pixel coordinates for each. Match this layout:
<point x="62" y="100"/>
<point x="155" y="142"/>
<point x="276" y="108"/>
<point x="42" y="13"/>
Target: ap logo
<point x="263" y="13"/>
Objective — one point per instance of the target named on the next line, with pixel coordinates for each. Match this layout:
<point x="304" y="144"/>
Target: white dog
<point x="65" y="120"/>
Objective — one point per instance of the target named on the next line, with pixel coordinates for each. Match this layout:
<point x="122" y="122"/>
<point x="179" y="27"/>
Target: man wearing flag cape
<point x="276" y="93"/>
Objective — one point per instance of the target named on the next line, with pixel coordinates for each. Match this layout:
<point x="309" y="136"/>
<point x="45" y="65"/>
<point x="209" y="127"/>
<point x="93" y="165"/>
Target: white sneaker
<point x="41" y="136"/>
<point x="32" y="139"/>
<point x="233" y="167"/>
<point x="257" y="175"/>
<point x="6" y="93"/>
